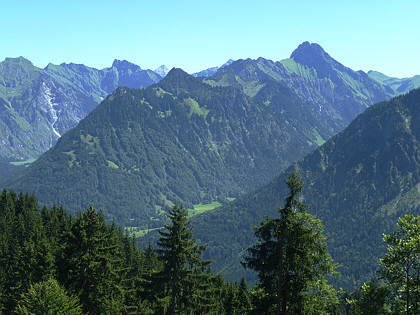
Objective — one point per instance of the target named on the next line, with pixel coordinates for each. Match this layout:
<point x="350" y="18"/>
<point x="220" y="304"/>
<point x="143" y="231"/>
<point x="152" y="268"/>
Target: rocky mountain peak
<point x="18" y="60"/>
<point x="227" y="63"/>
<point x="162" y="71"/>
<point x="311" y="54"/>
<point x="124" y="65"/>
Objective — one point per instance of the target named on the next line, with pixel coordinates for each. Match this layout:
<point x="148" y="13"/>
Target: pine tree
<point x="243" y="298"/>
<point x="184" y="279"/>
<point x="25" y="255"/>
<point x="91" y="266"/>
<point x="48" y="297"/>
<point x="290" y="257"/>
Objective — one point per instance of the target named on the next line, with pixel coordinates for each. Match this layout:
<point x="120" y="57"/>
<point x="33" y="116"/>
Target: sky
<point x="195" y="35"/>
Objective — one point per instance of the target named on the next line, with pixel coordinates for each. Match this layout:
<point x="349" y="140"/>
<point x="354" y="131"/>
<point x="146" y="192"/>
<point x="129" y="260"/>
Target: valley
<point x="220" y="142"/>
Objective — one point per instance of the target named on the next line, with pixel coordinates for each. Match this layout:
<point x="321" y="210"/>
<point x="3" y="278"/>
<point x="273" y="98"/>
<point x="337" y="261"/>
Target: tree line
<point x="54" y="263"/>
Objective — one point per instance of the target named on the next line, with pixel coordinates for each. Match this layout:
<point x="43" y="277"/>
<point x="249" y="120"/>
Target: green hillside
<point x="400" y="86"/>
<point x="358" y="183"/>
<point x="140" y="150"/>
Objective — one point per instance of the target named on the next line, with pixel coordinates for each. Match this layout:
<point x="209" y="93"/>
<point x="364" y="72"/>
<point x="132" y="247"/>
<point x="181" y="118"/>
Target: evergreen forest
<point x="55" y="263"/>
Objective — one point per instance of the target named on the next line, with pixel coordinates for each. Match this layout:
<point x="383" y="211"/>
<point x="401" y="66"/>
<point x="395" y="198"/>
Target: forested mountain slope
<point x="181" y="139"/>
<point x="195" y="140"/>
<point x="358" y="183"/>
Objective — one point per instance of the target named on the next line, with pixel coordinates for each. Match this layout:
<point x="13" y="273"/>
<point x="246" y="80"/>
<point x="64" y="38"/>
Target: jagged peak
<point x="313" y="55"/>
<point x="162" y="70"/>
<point x="227" y="63"/>
<point x="125" y="65"/>
<point x="79" y="67"/>
<point x="17" y="60"/>
<point x="308" y="50"/>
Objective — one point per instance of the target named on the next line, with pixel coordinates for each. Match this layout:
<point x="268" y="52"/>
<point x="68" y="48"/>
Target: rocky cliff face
<point x="38" y="105"/>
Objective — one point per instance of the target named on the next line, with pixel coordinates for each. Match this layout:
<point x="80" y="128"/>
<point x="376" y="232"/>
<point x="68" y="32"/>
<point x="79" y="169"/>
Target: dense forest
<point x="53" y="263"/>
<point x="358" y="183"/>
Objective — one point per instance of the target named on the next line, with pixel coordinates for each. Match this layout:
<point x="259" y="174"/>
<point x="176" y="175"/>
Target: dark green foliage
<point x="291" y="258"/>
<point x="25" y="256"/>
<point x="374" y="297"/>
<point x="91" y="264"/>
<point x="401" y="265"/>
<point x="99" y="266"/>
<point x="358" y="184"/>
<point x="48" y="298"/>
<point x="184" y="280"/>
<point x="244" y="298"/>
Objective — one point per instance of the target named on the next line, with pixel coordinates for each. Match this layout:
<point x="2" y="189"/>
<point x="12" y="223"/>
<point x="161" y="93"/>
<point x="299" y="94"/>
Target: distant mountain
<point x="181" y="139"/>
<point x="162" y="71"/>
<point x="215" y="137"/>
<point x="206" y="73"/>
<point x="400" y="86"/>
<point x="38" y="105"/>
<point x="335" y="91"/>
<point x="35" y="109"/>
<point x="211" y="71"/>
<point x="359" y="182"/>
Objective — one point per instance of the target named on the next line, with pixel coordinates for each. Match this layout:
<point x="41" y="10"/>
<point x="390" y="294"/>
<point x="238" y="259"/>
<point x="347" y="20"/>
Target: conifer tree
<point x="244" y="300"/>
<point x="25" y="256"/>
<point x="290" y="257"/>
<point x="183" y="279"/>
<point x="91" y="265"/>
<point x="48" y="297"/>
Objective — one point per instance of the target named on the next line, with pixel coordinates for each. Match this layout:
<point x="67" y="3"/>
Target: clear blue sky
<point x="194" y="35"/>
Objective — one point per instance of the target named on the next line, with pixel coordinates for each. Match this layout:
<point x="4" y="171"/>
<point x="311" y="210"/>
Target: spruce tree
<point x="183" y="279"/>
<point x="290" y="257"/>
<point x="91" y="266"/>
<point x="25" y="256"/>
<point x="48" y="297"/>
<point x="244" y="299"/>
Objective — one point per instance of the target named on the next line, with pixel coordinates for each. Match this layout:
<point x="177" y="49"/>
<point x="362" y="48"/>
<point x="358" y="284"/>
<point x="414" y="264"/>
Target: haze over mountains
<point x="400" y="86"/>
<point x="232" y="131"/>
<point x="39" y="105"/>
<point x="217" y="134"/>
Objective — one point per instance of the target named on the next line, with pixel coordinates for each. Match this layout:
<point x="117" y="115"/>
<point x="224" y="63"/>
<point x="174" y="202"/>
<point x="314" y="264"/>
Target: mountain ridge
<point x="359" y="182"/>
<point x="38" y="105"/>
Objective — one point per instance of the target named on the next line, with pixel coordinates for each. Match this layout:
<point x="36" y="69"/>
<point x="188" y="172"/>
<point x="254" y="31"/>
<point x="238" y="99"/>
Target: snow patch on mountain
<point x="51" y="106"/>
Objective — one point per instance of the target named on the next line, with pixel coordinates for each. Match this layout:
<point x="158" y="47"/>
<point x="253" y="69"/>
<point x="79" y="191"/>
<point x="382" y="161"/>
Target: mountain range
<point x="211" y="71"/>
<point x="38" y="105"/>
<point x="198" y="139"/>
<point x="400" y="86"/>
<point x="215" y="136"/>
